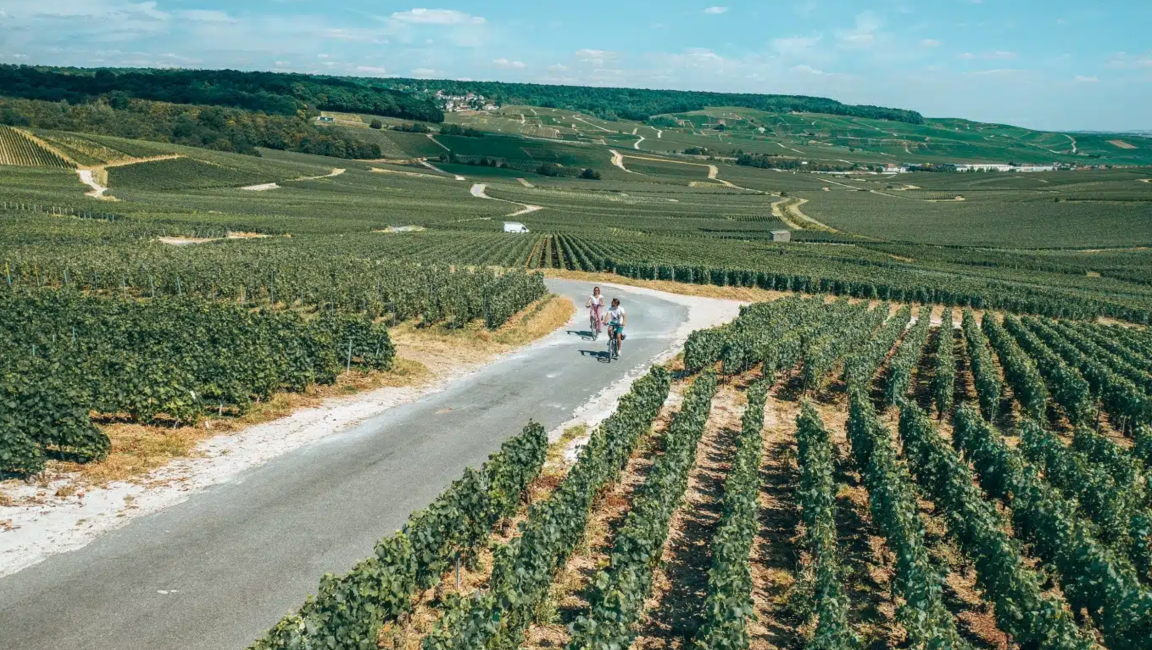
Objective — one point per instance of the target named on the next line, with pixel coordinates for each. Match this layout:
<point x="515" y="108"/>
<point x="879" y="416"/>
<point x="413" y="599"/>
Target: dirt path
<point x="680" y="583"/>
<point x="713" y="170"/>
<point x="98" y="190"/>
<point x="525" y="183"/>
<point x="262" y="187"/>
<point x="577" y="117"/>
<point x="432" y="137"/>
<point x="441" y="176"/>
<point x="1145" y="180"/>
<point x="335" y="172"/>
<point x="618" y="160"/>
<point x="441" y="171"/>
<point x="479" y="190"/>
<point x="791" y="209"/>
<point x="1074" y="150"/>
<point x="637" y="145"/>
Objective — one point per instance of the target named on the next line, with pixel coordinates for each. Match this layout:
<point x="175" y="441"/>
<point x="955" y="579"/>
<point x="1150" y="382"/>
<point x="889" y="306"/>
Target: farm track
<point x="232" y="560"/>
<point x="713" y="170"/>
<point x="479" y="190"/>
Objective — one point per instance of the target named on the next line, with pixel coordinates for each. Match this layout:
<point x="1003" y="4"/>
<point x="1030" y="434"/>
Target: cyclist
<point x="594" y="303"/>
<point x="616" y="319"/>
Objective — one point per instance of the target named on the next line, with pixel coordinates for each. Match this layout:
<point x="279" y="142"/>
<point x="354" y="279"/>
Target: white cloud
<point x="1081" y="79"/>
<point x="206" y="16"/>
<point x="508" y="65"/>
<point x="864" y="35"/>
<point x="371" y="69"/>
<point x="557" y="67"/>
<point x="436" y="17"/>
<point x="716" y="10"/>
<point x="594" y="57"/>
<point x="795" y="46"/>
<point x="929" y="42"/>
<point x="1124" y="60"/>
<point x="991" y="56"/>
<point x="425" y="72"/>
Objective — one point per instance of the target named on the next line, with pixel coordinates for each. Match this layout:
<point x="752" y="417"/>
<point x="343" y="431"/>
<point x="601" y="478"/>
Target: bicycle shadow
<point x="599" y="355"/>
<point x="587" y="335"/>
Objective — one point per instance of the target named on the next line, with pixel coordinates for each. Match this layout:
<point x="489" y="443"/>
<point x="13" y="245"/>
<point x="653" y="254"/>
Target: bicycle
<point x="594" y="323"/>
<point x="613" y="345"/>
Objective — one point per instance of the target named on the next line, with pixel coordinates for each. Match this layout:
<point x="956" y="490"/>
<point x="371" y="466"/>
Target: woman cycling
<point x="616" y="319"/>
<point x="594" y="303"/>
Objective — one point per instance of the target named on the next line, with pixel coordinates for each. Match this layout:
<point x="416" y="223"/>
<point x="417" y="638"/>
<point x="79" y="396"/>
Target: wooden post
<point x="348" y="367"/>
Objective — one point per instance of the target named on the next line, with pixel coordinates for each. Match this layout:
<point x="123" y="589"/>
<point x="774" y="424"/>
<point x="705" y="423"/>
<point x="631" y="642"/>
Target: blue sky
<point x="1052" y="64"/>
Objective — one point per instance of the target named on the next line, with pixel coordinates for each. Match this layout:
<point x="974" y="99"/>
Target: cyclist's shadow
<point x="599" y="355"/>
<point x="588" y="335"/>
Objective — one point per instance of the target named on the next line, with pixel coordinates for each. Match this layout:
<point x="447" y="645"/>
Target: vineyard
<point x="17" y="149"/>
<point x="78" y="355"/>
<point x="841" y="514"/>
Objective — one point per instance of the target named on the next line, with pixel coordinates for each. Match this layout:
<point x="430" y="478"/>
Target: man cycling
<point x="594" y="303"/>
<point x="616" y="319"/>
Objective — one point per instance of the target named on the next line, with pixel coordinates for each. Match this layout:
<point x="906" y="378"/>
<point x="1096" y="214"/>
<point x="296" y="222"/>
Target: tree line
<point x="640" y="103"/>
<point x="270" y="92"/>
<point x="211" y="127"/>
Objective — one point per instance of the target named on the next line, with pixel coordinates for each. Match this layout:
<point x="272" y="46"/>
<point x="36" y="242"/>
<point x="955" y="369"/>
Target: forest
<point x="269" y="92"/>
<point x="210" y="127"/>
<point x="642" y="103"/>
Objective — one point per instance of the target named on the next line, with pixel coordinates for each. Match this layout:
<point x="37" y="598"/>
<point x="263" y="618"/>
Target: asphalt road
<point x="217" y="570"/>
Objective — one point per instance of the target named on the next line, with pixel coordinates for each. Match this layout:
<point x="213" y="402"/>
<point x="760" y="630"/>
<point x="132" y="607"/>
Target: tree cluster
<point x="270" y="92"/>
<point x="641" y="104"/>
<point x="210" y="127"/>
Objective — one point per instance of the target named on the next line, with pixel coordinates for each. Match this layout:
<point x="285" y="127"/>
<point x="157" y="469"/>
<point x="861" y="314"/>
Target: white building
<point x="514" y="226"/>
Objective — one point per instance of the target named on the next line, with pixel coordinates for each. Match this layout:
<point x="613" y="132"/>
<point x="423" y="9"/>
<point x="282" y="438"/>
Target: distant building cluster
<point x="468" y="102"/>
<point x="1001" y="167"/>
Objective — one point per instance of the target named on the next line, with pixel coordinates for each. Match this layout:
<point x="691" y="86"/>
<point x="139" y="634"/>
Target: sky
<point x="1042" y="64"/>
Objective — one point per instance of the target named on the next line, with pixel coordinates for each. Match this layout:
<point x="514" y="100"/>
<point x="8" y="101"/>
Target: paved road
<point x="236" y="558"/>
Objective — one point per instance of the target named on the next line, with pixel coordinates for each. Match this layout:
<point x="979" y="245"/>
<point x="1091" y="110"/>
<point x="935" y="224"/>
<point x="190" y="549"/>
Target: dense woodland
<point x="210" y="127"/>
<point x="642" y="104"/>
<point x="269" y="92"/>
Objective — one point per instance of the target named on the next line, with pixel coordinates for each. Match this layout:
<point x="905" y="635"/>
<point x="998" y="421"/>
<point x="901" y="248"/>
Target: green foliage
<point x="944" y="380"/>
<point x="1034" y="619"/>
<point x="348" y="610"/>
<point x="270" y="92"/>
<point x="524" y="569"/>
<point x="465" y="131"/>
<point x="728" y="607"/>
<point x="847" y="329"/>
<point x="895" y="511"/>
<point x="620" y="590"/>
<point x="640" y="104"/>
<point x="1019" y="370"/>
<point x="1091" y="576"/>
<point x="1105" y="485"/>
<point x="15" y="149"/>
<point x="1125" y="403"/>
<point x="816" y="496"/>
<point x="219" y="129"/>
<point x="866" y="360"/>
<point x="984" y="374"/>
<point x="907" y="357"/>
<point x="1067" y="387"/>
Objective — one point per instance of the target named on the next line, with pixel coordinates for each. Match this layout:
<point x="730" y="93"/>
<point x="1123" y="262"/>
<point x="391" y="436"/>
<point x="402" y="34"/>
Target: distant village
<point x="470" y="102"/>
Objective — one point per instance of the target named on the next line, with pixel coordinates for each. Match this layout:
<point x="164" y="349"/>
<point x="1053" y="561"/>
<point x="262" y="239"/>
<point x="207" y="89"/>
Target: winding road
<point x="217" y="570"/>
